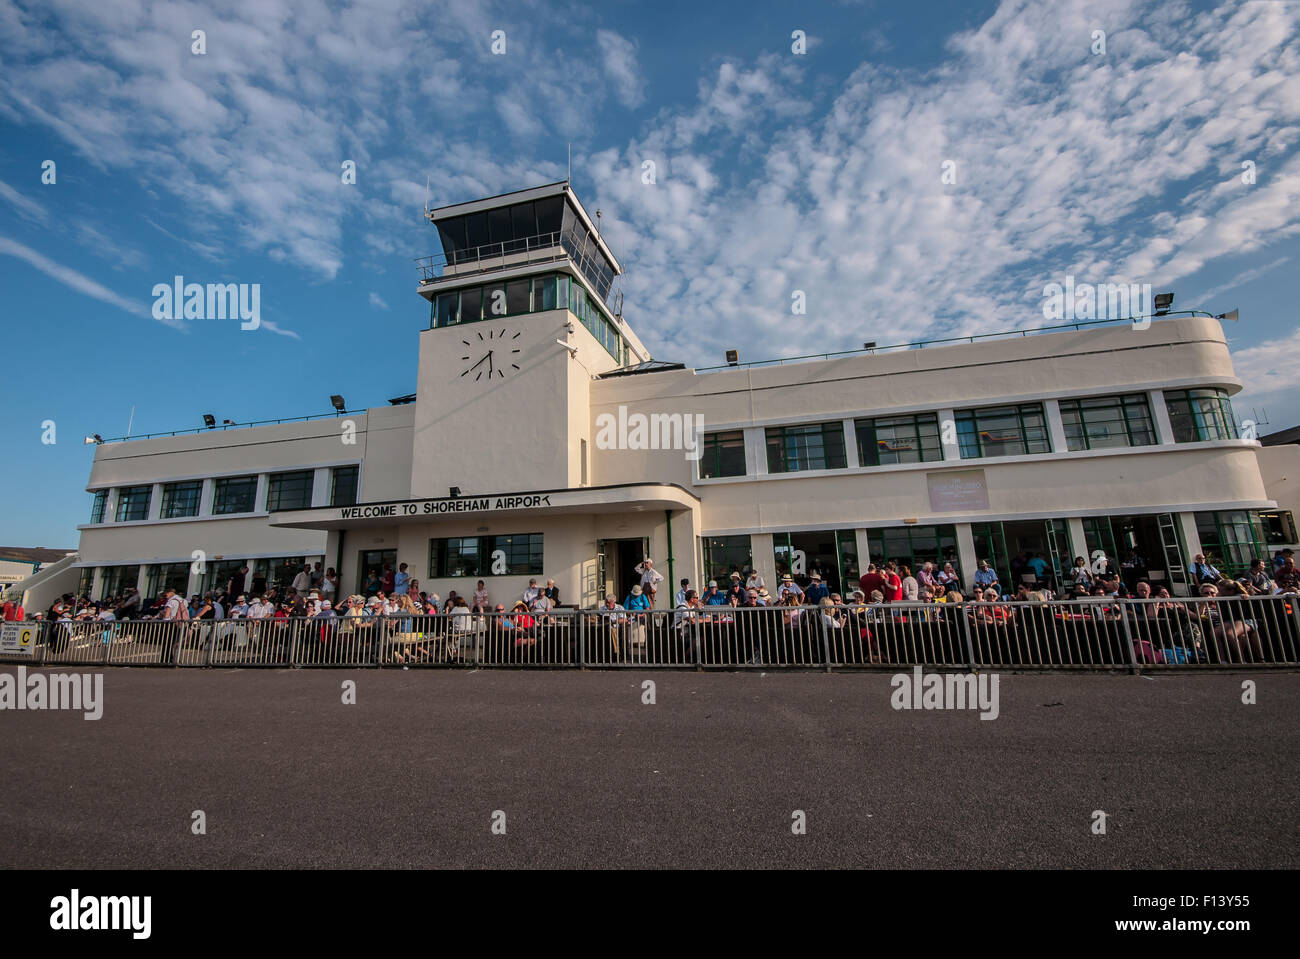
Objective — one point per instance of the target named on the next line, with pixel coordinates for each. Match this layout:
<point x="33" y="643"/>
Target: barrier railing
<point x="1094" y="633"/>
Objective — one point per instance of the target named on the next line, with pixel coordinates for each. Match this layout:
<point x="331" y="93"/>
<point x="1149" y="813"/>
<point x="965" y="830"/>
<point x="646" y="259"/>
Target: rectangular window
<point x="476" y="234"/>
<point x="724" y="555"/>
<point x="544" y="293"/>
<point x="279" y="573"/>
<point x="913" y="545"/>
<point x="133" y="503"/>
<point x="446" y="309"/>
<point x="476" y="556"/>
<point x="98" y="506"/>
<point x="523" y="221"/>
<point x="234" y="494"/>
<point x="550" y="214"/>
<point x="1003" y="431"/>
<point x="1231" y="540"/>
<point x="471" y="304"/>
<point x="86" y="582"/>
<point x="523" y="553"/>
<point x="723" y="454"/>
<point x="181" y="499"/>
<point x="494" y="301"/>
<point x="898" y="439"/>
<point x="817" y="446"/>
<point x="343" y="485"/>
<point x="517" y="296"/>
<point x="1200" y="415"/>
<point x="562" y="293"/>
<point x="118" y="579"/>
<point x="289" y="490"/>
<point x="499" y="227"/>
<point x="1106" y="422"/>
<point x="169" y="576"/>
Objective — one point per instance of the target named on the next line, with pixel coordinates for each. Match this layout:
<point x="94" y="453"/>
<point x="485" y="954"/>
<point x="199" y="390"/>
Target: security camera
<point x="569" y="327"/>
<point x="573" y="350"/>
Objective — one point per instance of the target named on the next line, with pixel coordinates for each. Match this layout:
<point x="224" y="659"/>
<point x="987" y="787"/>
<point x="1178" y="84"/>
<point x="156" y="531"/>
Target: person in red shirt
<point x="893" y="584"/>
<point x="13" y="612"/>
<point x="871" y="581"/>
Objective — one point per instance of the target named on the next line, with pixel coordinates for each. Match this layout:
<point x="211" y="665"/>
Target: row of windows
<point x="526" y="295"/>
<point x="506" y="229"/>
<point x="517" y="554"/>
<point x="230" y="495"/>
<point x="1102" y="422"/>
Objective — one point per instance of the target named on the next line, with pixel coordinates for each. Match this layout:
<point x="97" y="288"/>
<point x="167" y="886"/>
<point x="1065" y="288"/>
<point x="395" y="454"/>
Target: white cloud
<point x="29" y="208"/>
<point x="618" y="54"/>
<point x="377" y="301"/>
<point x="75" y="280"/>
<point x="1269" y="372"/>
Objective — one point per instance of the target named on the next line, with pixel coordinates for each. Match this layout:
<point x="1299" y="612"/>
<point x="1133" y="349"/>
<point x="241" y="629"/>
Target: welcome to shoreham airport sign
<point x="461" y="504"/>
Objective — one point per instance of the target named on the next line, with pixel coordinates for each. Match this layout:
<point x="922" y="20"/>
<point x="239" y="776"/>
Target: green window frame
<point x="722" y="555"/>
<point x="118" y="578"/>
<point x="291" y="490"/>
<point x="234" y="494"/>
<point x="995" y="431"/>
<point x="165" y="576"/>
<point x="98" y="505"/>
<point x="86" y="581"/>
<point x="1232" y="539"/>
<point x="886" y="440"/>
<point x="1198" y="416"/>
<point x="722" y="454"/>
<point x="343" y="485"/>
<point x="133" y="503"/>
<point x="1107" y="422"/>
<point x="812" y="446"/>
<point x="181" y="499"/>
<point x="914" y="545"/>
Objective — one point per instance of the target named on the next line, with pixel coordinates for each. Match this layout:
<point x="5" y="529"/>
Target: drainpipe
<point x="672" y="578"/>
<point x="338" y="564"/>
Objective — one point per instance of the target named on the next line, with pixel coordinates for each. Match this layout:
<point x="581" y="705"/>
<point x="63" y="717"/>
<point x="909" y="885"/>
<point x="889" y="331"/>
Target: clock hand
<point x="479" y="363"/>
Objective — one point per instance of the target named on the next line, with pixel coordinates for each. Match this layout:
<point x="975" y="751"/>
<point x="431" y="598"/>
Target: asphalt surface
<point x="709" y="776"/>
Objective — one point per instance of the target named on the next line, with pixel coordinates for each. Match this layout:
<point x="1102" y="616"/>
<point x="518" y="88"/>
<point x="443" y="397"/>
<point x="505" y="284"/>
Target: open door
<point x="991" y="544"/>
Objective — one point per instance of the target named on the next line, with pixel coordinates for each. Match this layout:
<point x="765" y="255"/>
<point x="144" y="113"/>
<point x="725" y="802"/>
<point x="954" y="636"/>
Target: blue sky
<point x="775" y="172"/>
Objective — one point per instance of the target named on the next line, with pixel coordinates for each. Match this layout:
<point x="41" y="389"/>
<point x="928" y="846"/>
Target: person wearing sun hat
<point x="816" y="591"/>
<point x="788" y="587"/>
<point x="636" y="599"/>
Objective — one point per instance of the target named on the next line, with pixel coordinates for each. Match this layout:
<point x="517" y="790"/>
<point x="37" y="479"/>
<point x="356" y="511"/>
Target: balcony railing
<point x="543" y="248"/>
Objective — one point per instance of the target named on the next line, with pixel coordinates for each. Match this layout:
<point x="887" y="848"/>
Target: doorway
<point x="616" y="562"/>
<point x="1012" y="547"/>
<point x="373" y="559"/>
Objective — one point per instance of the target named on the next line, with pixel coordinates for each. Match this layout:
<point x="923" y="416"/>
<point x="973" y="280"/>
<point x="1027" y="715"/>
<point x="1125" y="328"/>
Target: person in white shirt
<point x="681" y="593"/>
<point x="302" y="582"/>
<point x="240" y="609"/>
<point x="531" y="593"/>
<point x="755" y="581"/>
<point x="650" y="578"/>
<point x="788" y="588"/>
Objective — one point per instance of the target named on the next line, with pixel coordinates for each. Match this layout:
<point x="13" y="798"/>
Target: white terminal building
<point x="502" y="465"/>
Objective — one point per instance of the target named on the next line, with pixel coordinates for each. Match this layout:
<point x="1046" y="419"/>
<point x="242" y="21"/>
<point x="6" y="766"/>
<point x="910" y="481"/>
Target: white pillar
<point x="1078" y="541"/>
<point x="1160" y="416"/>
<point x="756" y="451"/>
<point x="263" y="484"/>
<point x="206" y="497"/>
<point x="851" y="445"/>
<point x="761" y="549"/>
<point x="320" y="487"/>
<point x="1055" y="428"/>
<point x="864" y="550"/>
<point x="967" y="561"/>
<point x="948" y="431"/>
<point x="155" y="502"/>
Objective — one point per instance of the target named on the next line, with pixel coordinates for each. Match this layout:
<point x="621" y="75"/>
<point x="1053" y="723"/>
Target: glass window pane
<point x="523" y="221"/>
<point x="499" y="227"/>
<point x="517" y="296"/>
<point x="550" y="214"/>
<point x="343" y="486"/>
<point x="476" y="233"/>
<point x="446" y="309"/>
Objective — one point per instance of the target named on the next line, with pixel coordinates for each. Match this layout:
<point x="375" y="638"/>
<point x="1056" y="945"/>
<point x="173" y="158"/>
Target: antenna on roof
<point x="568" y="173"/>
<point x="426" y="196"/>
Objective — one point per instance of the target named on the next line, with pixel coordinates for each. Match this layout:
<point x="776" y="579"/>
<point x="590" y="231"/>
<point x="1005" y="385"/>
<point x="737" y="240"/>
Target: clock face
<point x="492" y="353"/>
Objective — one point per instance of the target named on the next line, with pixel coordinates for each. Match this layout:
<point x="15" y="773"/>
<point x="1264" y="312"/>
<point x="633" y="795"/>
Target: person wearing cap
<point x="636" y="600"/>
<point x="712" y="597"/>
<point x="650" y="579"/>
<point x="681" y="593"/>
<point x="788" y="587"/>
<point x="816" y="591"/>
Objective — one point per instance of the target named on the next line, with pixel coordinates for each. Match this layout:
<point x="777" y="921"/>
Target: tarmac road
<point x="587" y="775"/>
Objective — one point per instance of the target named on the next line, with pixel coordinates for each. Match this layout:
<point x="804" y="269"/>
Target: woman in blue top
<point x="636" y="599"/>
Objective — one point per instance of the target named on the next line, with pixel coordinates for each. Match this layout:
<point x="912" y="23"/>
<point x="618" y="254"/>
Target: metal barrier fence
<point x="1094" y="633"/>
